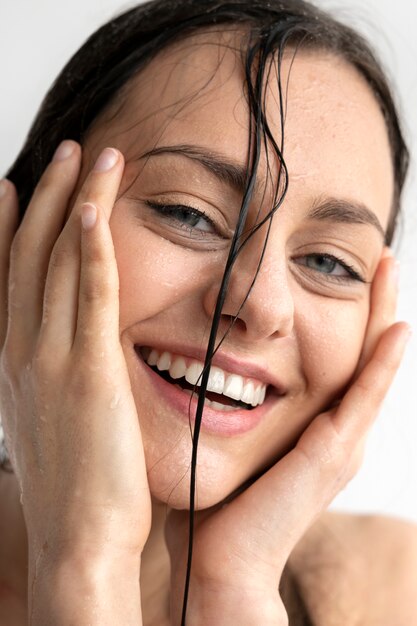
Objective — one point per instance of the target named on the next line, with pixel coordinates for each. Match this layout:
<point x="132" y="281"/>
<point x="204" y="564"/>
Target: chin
<point x="169" y="478"/>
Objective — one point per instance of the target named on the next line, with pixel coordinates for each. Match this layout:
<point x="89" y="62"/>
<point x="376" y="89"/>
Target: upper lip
<point x="230" y="363"/>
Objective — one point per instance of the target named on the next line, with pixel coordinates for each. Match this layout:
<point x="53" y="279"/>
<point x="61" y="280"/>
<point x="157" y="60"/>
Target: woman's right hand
<point x="69" y="416"/>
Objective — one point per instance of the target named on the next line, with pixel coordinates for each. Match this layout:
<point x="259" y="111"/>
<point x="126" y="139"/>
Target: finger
<point x="9" y="218"/>
<point x="33" y="243"/>
<point x="382" y="306"/>
<point x="98" y="303"/>
<point x="60" y="310"/>
<point x="363" y="400"/>
<point x="304" y="482"/>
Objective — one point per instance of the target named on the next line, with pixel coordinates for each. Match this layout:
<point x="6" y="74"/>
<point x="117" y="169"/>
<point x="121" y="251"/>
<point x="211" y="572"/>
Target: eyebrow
<point x="345" y="212"/>
<point x="236" y="176"/>
<point x="227" y="171"/>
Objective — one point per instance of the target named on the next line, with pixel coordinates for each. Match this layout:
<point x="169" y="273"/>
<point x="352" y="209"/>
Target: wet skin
<point x="302" y="329"/>
<point x="303" y="324"/>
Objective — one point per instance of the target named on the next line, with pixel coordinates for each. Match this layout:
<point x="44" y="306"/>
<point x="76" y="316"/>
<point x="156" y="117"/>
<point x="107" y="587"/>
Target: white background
<point x="38" y="37"/>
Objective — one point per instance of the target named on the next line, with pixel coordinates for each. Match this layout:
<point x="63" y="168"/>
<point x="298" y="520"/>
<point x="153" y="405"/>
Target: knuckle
<point x="333" y="455"/>
<point x="95" y="291"/>
<point x="81" y="386"/>
<point x="339" y="458"/>
<point x="86" y="381"/>
<point x="45" y="363"/>
<point x="96" y="255"/>
<point x="40" y="363"/>
<point x="60" y="256"/>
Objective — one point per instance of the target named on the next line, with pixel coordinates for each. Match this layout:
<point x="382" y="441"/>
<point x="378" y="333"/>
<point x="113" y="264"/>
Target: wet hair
<point x="119" y="50"/>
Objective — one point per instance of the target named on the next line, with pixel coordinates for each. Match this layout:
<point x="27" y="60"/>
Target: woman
<point x="211" y="198"/>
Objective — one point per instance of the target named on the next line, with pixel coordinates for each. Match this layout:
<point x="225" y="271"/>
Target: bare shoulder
<point x="359" y="569"/>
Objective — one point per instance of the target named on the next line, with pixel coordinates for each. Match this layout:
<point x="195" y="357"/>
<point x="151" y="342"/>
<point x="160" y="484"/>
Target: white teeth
<point x="218" y="406"/>
<point x="233" y="387"/>
<point x="216" y="380"/>
<point x="193" y="373"/>
<point x="164" y="361"/>
<point x="248" y="393"/>
<point x="178" y="368"/>
<point x="153" y="358"/>
<point x="221" y="382"/>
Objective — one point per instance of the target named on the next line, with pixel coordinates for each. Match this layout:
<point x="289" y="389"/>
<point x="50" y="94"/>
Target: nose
<point x="268" y="310"/>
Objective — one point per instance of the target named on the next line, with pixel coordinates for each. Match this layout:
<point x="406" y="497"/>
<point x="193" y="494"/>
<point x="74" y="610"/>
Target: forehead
<point x="193" y="93"/>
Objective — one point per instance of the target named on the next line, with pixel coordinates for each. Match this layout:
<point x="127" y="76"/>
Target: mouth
<point x="226" y="391"/>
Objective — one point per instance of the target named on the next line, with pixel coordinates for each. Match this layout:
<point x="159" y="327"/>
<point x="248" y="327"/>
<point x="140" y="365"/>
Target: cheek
<point x="154" y="274"/>
<point x="333" y="334"/>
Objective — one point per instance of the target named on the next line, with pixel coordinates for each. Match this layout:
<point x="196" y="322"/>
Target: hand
<point x="68" y="412"/>
<point x="240" y="548"/>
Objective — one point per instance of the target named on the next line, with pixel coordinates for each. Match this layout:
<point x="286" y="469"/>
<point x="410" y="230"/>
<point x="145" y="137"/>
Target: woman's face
<point x="183" y="128"/>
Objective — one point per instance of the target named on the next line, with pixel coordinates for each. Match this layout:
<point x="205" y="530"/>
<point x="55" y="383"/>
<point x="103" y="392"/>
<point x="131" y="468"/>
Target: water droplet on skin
<point x="115" y="401"/>
<point x="21" y="499"/>
<point x="42" y="418"/>
<point x="29" y="367"/>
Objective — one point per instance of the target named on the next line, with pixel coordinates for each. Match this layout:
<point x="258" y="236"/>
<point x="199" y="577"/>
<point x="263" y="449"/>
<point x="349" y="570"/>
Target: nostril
<point x="232" y="321"/>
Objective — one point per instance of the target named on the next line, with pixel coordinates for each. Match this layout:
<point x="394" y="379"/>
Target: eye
<point x="187" y="217"/>
<point x="331" y="266"/>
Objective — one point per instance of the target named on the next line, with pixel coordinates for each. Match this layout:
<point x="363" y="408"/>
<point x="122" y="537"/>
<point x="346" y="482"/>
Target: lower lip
<point x="224" y="423"/>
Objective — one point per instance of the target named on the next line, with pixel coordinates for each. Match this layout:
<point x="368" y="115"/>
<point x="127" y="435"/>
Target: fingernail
<point x="88" y="216"/>
<point x="64" y="150"/>
<point x="107" y="159"/>
<point x="3" y="188"/>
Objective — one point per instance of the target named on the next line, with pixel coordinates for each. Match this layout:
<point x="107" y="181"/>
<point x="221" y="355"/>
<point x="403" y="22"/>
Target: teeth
<point x="233" y="387"/>
<point x="216" y="380"/>
<point x="178" y="368"/>
<point x="193" y="373"/>
<point x="153" y="358"/>
<point x="164" y="361"/>
<point x="248" y="393"/>
<point x="221" y="382"/>
<point x="218" y="406"/>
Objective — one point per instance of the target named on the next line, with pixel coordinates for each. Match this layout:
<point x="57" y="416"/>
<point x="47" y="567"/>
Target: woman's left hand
<point x="240" y="549"/>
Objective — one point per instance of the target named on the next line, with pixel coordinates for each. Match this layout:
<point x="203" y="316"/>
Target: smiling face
<point x="183" y="128"/>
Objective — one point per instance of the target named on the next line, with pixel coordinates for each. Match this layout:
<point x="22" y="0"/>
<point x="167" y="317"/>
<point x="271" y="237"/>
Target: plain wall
<point x="38" y="37"/>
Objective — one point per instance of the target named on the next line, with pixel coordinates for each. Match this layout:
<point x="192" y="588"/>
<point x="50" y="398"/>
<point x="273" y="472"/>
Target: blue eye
<point x="186" y="217"/>
<point x="331" y="266"/>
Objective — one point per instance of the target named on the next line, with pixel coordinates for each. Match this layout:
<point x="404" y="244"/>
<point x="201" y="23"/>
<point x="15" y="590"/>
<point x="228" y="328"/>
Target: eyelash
<point x="167" y="210"/>
<point x="353" y="273"/>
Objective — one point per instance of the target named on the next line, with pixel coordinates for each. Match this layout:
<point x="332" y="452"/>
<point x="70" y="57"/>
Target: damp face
<point x="182" y="125"/>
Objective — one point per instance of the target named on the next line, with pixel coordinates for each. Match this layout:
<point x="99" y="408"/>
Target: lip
<point x="227" y="362"/>
<point x="222" y="423"/>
